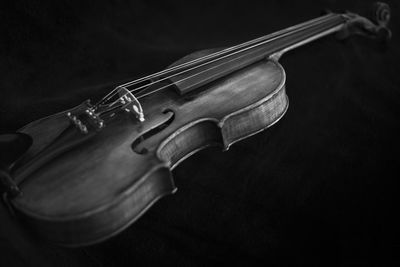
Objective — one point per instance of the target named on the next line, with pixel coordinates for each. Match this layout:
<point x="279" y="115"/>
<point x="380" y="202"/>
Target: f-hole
<point x="137" y="144"/>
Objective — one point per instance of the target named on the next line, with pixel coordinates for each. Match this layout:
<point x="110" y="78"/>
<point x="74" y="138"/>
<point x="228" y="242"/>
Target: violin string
<point x="188" y="77"/>
<point x="324" y="19"/>
<point x="224" y="51"/>
<point x="163" y="79"/>
<point x="213" y="55"/>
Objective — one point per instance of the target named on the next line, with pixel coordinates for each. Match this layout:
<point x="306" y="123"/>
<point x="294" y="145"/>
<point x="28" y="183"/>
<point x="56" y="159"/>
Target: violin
<point x="87" y="173"/>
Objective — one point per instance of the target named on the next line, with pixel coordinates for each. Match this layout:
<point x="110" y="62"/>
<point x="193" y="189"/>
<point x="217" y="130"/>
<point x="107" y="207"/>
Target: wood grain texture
<point x="97" y="187"/>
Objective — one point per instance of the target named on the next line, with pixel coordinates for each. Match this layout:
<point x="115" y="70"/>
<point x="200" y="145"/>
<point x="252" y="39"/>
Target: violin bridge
<point x="130" y="103"/>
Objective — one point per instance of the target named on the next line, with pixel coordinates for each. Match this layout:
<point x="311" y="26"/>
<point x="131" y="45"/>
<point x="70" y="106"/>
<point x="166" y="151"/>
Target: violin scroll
<point x="375" y="28"/>
<point x="382" y="14"/>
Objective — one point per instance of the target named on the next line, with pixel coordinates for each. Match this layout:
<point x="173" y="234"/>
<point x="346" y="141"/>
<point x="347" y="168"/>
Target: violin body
<point x="93" y="170"/>
<point x="88" y="191"/>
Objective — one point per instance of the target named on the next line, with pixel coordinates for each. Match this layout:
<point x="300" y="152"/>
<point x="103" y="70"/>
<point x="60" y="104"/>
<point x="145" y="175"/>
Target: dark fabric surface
<point x="319" y="187"/>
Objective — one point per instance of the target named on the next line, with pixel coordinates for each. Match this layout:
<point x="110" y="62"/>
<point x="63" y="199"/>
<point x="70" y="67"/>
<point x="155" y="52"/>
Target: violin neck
<point x="269" y="46"/>
<point x="195" y="73"/>
<point x="313" y="30"/>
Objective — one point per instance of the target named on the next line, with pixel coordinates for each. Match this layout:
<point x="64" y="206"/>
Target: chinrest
<point x="12" y="147"/>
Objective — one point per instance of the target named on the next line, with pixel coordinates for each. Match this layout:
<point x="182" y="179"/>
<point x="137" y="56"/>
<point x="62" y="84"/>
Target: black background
<point x="319" y="187"/>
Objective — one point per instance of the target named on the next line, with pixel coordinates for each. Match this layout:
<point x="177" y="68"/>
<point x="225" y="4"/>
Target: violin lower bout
<point x="95" y="190"/>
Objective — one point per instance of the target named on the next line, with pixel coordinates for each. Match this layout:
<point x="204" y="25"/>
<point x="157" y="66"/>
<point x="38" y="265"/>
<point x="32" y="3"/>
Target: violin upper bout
<point x="233" y="108"/>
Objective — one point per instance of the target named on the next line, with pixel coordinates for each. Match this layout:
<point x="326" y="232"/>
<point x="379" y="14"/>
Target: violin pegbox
<point x="374" y="28"/>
